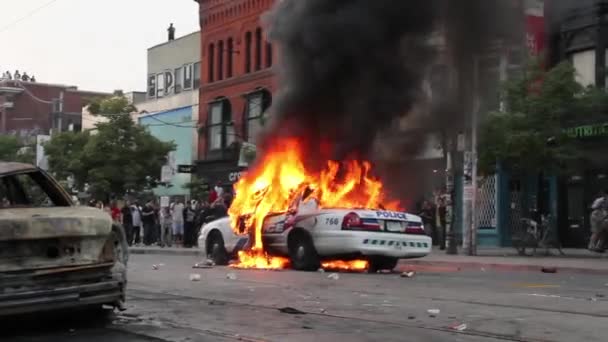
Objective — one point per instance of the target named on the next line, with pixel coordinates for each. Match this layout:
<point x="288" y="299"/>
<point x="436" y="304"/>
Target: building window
<point x="258" y="49"/>
<point x="188" y="77"/>
<point x="584" y="64"/>
<point x="168" y="83"/>
<point x="160" y="85"/>
<point x="211" y="61"/>
<point x="229" y="57"/>
<point x="220" y="60"/>
<point x="257" y="103"/>
<point x="152" y="86"/>
<point x="197" y="75"/>
<point x="179" y="79"/>
<point x="268" y="55"/>
<point x="215" y="126"/>
<point x="248" y="52"/>
<point x="220" y="129"/>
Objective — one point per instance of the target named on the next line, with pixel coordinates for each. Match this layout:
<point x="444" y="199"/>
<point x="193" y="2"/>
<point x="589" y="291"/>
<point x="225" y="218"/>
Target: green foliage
<point x="9" y="146"/>
<point x="199" y="188"/>
<point x="110" y="106"/>
<point x="11" y="149"/>
<point x="120" y="157"/>
<point x="530" y="136"/>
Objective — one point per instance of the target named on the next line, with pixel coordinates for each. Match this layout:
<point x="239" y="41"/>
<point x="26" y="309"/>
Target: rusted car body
<point x="53" y="254"/>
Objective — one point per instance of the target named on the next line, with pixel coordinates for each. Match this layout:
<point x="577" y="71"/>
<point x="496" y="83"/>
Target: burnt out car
<point x="53" y="254"/>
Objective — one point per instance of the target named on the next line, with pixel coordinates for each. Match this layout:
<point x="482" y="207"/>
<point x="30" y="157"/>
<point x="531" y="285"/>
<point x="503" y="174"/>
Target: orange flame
<point x="280" y="177"/>
<point x="260" y="260"/>
<point x="354" y="265"/>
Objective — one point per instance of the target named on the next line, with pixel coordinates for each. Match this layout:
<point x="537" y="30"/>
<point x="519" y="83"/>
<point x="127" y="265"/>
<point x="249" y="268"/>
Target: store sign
<point x="234" y="177"/>
<point x="588" y="131"/>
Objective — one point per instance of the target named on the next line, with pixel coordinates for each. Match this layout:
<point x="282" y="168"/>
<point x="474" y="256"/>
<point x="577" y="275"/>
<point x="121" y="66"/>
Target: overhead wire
<point x="27" y="15"/>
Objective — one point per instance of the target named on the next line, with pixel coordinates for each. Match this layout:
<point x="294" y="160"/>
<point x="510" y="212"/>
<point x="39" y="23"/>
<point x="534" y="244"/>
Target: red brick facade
<point x="237" y="60"/>
<point x="32" y="110"/>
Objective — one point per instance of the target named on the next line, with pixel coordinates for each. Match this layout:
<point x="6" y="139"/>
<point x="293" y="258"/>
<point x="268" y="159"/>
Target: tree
<point x="9" y="146"/>
<point x="198" y="187"/>
<point x="11" y="149"/>
<point x="530" y="137"/>
<point x="119" y="157"/>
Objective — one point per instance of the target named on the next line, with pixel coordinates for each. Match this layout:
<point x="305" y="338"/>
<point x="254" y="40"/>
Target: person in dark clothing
<point x="127" y="222"/>
<point x="427" y="213"/>
<point x="190" y="215"/>
<point x="148" y="221"/>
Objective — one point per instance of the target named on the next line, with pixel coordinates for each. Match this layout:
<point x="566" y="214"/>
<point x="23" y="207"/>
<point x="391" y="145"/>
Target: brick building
<point x="237" y="84"/>
<point x="28" y="109"/>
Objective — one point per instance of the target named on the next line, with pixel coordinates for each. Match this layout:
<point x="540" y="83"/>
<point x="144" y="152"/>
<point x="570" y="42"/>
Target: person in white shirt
<point x="177" y="214"/>
<point x="137" y="223"/>
<point x="599" y="223"/>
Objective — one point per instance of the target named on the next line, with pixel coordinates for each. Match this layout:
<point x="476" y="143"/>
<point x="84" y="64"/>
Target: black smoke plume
<point x="349" y="69"/>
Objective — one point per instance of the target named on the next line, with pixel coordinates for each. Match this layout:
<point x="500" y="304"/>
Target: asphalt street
<point x="164" y="304"/>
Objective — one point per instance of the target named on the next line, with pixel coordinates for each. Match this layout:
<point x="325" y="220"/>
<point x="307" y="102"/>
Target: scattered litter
<point x="205" y="264"/>
<point x="215" y="302"/>
<point x="321" y="270"/>
<point x="411" y="317"/>
<point x="459" y="327"/>
<point x="549" y="270"/>
<point x="306" y="327"/>
<point x="433" y="311"/>
<point x="323" y="310"/>
<point x="483" y="269"/>
<point x="156" y="267"/>
<point x="334" y="276"/>
<point x="408" y="274"/>
<point x="600" y="295"/>
<point x="195" y="277"/>
<point x="231" y="276"/>
<point x="292" y="311"/>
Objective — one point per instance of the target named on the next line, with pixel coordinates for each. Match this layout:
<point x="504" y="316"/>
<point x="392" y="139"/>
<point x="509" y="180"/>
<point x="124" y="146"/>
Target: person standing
<point x="165" y="227"/>
<point x="190" y="214"/>
<point x="115" y="212"/>
<point x="177" y="215"/>
<point x="427" y="213"/>
<point x="599" y="222"/>
<point x="127" y="222"/>
<point x="148" y="221"/>
<point x="137" y="224"/>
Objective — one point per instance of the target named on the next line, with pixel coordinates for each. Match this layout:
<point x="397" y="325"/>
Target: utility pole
<point x="474" y="122"/>
<point x="452" y="249"/>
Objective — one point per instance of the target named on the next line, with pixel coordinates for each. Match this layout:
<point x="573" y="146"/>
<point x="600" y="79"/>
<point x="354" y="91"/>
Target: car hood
<point x="45" y="223"/>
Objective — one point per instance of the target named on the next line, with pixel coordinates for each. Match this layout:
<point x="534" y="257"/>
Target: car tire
<point x="216" y="250"/>
<point x="382" y="263"/>
<point x="121" y="257"/>
<point x="303" y="254"/>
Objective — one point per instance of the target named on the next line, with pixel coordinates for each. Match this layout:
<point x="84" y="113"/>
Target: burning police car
<point x="308" y="234"/>
<point x="54" y="255"/>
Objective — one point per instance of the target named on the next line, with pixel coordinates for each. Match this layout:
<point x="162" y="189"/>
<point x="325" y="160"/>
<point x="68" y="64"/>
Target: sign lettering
<point x="391" y="214"/>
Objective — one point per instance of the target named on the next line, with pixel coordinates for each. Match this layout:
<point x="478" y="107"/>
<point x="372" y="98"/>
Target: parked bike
<point x="536" y="235"/>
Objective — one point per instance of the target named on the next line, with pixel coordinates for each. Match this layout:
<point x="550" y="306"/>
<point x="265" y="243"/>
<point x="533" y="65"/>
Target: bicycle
<point x="536" y="235"/>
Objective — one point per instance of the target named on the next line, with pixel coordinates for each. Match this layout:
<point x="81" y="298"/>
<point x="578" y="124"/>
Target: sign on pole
<point x="166" y="174"/>
<point x="164" y="201"/>
<point x="186" y="169"/>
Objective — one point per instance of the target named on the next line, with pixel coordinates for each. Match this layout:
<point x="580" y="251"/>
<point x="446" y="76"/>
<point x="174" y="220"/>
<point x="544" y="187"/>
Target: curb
<point x="454" y="266"/>
<point x="161" y="251"/>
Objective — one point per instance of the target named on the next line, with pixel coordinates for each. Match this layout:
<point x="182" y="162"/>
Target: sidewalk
<point x="506" y="259"/>
<point x="502" y="259"/>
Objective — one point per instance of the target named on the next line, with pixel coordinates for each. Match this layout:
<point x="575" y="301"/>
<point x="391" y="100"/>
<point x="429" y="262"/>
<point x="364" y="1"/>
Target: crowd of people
<point x="17" y="76"/>
<point x="175" y="225"/>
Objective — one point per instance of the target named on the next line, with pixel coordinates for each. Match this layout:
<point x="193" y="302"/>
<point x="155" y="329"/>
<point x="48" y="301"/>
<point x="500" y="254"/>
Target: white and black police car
<point x="308" y="235"/>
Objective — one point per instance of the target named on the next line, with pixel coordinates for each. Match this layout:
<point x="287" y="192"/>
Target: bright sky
<point x="96" y="45"/>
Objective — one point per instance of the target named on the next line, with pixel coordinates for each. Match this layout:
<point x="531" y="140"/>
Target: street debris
<point x="408" y="274"/>
<point x="334" y="276"/>
<point x="322" y="310"/>
<point x="205" y="264"/>
<point x="291" y="311"/>
<point x="599" y="295"/>
<point x="156" y="267"/>
<point x="411" y="317"/>
<point x="306" y="327"/>
<point x="549" y="270"/>
<point x="433" y="311"/>
<point x="321" y="270"/>
<point x="195" y="277"/>
<point x="231" y="276"/>
<point x="459" y="327"/>
<point x="483" y="269"/>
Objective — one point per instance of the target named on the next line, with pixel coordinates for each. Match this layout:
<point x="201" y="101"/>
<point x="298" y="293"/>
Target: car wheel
<point x="382" y="263"/>
<point x="217" y="250"/>
<point x="303" y="254"/>
<point x="121" y="257"/>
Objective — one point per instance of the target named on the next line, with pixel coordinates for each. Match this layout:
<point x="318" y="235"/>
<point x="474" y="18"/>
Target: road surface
<point x="231" y="305"/>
